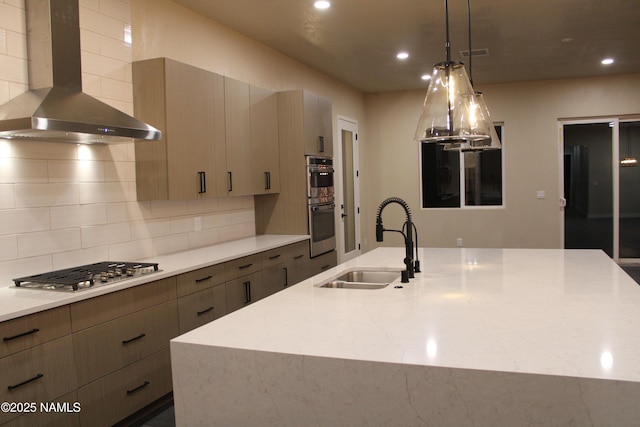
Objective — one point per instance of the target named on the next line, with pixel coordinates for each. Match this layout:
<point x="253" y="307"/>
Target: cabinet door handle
<point x="242" y="267"/>
<point x="230" y="181"/>
<point x="15" y="386"/>
<point x="204" y="279"/>
<point x="274" y="256"/>
<point x="286" y="277"/>
<point x="24" y="334"/>
<point x="324" y="267"/>
<point x="298" y="256"/>
<point x="205" y="311"/>
<point x="140" y="387"/>
<point x="202" y="179"/>
<point x="267" y="180"/>
<point x="247" y="292"/>
<point x="130" y="340"/>
<point x="321" y="144"/>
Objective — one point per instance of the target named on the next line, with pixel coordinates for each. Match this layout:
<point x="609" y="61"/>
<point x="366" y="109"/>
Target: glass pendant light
<point x="451" y="113"/>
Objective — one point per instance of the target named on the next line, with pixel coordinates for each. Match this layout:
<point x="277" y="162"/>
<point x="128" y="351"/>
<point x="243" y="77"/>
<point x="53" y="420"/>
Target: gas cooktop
<point x="86" y="276"/>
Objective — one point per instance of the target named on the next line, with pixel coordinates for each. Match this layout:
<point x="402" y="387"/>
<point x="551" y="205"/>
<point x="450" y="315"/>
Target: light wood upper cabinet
<point x="238" y="122"/>
<point x="264" y="140"/>
<point x="187" y="104"/>
<point x="318" y="126"/>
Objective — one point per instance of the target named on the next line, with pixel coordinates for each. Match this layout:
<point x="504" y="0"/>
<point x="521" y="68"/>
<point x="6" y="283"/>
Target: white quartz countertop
<point x="554" y="312"/>
<point x="16" y="302"/>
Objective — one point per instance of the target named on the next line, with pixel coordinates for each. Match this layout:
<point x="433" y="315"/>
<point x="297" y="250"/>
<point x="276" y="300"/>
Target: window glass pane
<point x="440" y="177"/>
<point x="629" y="191"/>
<point x="483" y="178"/>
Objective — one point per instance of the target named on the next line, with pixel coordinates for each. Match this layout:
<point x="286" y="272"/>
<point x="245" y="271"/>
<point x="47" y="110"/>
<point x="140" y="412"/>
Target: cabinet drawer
<point x="38" y="328"/>
<point x="39" y="374"/>
<point x="200" y="279"/>
<point x="274" y="256"/>
<point x="68" y="417"/>
<point x="116" y="396"/>
<point x="110" y="346"/>
<point x="242" y="266"/>
<point x="323" y="262"/>
<point x="297" y="263"/>
<point x="94" y="311"/>
<point x="201" y="307"/>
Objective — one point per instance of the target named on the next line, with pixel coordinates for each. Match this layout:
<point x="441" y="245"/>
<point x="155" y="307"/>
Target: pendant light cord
<point x="470" y="54"/>
<point x="446" y="14"/>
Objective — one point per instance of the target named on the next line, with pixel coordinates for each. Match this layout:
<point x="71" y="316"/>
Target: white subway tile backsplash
<point x="7" y="196"/>
<point x="44" y="150"/>
<point x="169" y="208"/>
<point x="96" y="235"/>
<point x="128" y="211"/>
<point x="103" y="192"/>
<point x="76" y="171"/>
<point x="148" y="229"/>
<point x="204" y="237"/>
<point x="78" y="215"/>
<point x="237" y="231"/>
<point x="80" y="257"/>
<point x="17" y="221"/>
<point x="49" y="194"/>
<point x="120" y="171"/>
<point x="23" y="170"/>
<point x="13" y="69"/>
<point x="8" y="247"/>
<point x="48" y="242"/>
<point x="12" y="18"/>
<point x="171" y="244"/>
<point x="134" y="250"/>
<point x="67" y="204"/>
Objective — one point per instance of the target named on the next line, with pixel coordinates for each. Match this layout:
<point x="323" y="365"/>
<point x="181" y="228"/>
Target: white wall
<point x="530" y="112"/>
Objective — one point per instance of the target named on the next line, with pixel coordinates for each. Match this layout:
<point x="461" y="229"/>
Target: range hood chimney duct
<point x="55" y="108"/>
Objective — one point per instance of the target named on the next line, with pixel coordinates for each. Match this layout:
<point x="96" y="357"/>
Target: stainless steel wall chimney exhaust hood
<point x="55" y="108"/>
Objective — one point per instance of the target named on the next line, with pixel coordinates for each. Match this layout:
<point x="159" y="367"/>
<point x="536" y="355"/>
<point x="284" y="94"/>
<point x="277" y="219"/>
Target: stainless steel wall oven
<point x="321" y="204"/>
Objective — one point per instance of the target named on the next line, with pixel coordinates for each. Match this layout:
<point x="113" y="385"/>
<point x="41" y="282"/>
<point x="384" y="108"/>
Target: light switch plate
<point x="541" y="194"/>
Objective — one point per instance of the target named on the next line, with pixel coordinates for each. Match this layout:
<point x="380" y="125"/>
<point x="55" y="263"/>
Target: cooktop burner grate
<point x="86" y="276"/>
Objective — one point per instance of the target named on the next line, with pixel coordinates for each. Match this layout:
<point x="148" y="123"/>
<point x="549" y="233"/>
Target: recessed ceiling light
<point x="402" y="55"/>
<point x="607" y="61"/>
<point x="322" y="4"/>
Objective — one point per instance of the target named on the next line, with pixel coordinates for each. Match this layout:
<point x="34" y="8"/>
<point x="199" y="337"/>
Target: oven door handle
<point x="324" y="207"/>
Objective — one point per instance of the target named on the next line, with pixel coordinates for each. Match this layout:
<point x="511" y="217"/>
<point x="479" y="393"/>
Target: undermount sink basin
<point x="363" y="279"/>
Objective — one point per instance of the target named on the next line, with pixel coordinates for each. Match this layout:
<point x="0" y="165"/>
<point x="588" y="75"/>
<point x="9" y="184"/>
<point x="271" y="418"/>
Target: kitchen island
<point x="480" y="337"/>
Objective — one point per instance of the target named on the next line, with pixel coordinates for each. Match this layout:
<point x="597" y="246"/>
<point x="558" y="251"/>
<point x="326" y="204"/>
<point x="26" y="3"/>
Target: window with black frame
<point x="458" y="179"/>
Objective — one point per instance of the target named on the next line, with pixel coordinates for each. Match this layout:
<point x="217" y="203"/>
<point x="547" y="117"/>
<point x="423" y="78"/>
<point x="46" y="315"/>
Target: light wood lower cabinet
<point x="202" y="307"/>
<point x="243" y="291"/>
<point x="122" y="393"/>
<point x="323" y="262"/>
<point x="39" y="374"/>
<point x="297" y="262"/>
<point x="110" y="346"/>
<point x="34" y="329"/>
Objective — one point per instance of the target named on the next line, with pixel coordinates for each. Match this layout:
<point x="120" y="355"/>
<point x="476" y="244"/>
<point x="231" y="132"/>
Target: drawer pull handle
<point x="140" y="387"/>
<point x="247" y="292"/>
<point x="130" y="340"/>
<point x="33" y="331"/>
<point x="274" y="256"/>
<point x="324" y="267"/>
<point x="203" y="279"/>
<point x="200" y="313"/>
<point x="298" y="256"/>
<point x="242" y="267"/>
<point x="13" y="387"/>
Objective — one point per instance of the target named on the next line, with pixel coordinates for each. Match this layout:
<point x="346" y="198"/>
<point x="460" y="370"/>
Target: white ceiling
<point x="356" y="41"/>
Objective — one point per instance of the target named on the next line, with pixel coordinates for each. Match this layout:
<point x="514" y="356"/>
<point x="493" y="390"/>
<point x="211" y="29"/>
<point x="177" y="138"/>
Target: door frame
<point x="614" y="123"/>
<point x="351" y="125"/>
